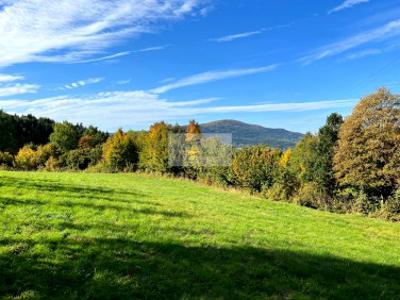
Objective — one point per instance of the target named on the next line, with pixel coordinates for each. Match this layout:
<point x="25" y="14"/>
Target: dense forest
<point x="351" y="165"/>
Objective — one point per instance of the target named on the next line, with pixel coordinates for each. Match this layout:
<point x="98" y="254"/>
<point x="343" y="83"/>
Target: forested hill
<point x="249" y="134"/>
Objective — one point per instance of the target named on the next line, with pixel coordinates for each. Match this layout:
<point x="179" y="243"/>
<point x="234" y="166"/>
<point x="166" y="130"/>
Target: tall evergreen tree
<point x="327" y="141"/>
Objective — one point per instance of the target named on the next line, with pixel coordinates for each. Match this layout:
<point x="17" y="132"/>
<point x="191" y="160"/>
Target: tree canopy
<point x="368" y="153"/>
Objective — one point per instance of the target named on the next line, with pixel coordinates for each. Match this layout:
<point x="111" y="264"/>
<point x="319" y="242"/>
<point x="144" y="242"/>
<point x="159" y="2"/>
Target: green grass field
<point x="130" y="236"/>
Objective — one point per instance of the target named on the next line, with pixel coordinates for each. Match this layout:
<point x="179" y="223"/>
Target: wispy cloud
<point x="61" y="31"/>
<point x="103" y="58"/>
<point x="236" y="36"/>
<point x="388" y="30"/>
<point x="346" y="4"/>
<point x="121" y="54"/>
<point x="145" y="108"/>
<point x="363" y="53"/>
<point x="282" y="107"/>
<point x="151" y="49"/>
<point x="82" y="83"/>
<point x="8" y="78"/>
<point x="124" y="81"/>
<point x="211" y="76"/>
<point x="18" y="89"/>
<point x="232" y="37"/>
<point x="166" y="80"/>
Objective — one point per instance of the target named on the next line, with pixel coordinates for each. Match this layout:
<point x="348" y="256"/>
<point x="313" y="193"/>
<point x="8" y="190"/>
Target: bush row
<point x="350" y="165"/>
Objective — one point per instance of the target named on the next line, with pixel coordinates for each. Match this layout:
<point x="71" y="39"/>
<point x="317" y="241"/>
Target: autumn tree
<point x="367" y="156"/>
<point x="193" y="131"/>
<point x="92" y="137"/>
<point x="154" y="156"/>
<point x="193" y="149"/>
<point x="120" y="152"/>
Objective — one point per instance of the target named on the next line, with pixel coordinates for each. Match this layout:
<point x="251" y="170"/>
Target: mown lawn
<point x="130" y="236"/>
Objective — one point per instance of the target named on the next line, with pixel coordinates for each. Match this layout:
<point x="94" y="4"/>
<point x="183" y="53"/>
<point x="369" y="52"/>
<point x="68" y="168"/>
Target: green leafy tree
<point x="303" y="160"/>
<point x="65" y="136"/>
<point x="255" y="167"/>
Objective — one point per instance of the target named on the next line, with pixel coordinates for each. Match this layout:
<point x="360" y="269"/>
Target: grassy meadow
<point x="133" y="236"/>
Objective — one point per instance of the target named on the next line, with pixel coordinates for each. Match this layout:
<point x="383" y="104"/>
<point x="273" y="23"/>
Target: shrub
<point x="311" y="195"/>
<point x="255" y="167"/>
<point x="276" y="192"/>
<point x="52" y="164"/>
<point x="365" y="203"/>
<point x="218" y="175"/>
<point x="77" y="159"/>
<point x="343" y="200"/>
<point x="6" y="159"/>
<point x="29" y="158"/>
<point x="391" y="207"/>
<point x="26" y="159"/>
<point x="43" y="153"/>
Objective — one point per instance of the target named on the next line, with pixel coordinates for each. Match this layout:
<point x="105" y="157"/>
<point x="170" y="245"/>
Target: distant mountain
<point x="249" y="134"/>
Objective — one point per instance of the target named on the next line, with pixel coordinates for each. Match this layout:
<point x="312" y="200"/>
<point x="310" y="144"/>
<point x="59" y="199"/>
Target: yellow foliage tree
<point x="26" y="159"/>
<point x="368" y="153"/>
<point x="120" y="152"/>
<point x="285" y="158"/>
<point x="154" y="156"/>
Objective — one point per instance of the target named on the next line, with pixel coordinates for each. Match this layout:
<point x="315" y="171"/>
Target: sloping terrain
<point x="130" y="236"/>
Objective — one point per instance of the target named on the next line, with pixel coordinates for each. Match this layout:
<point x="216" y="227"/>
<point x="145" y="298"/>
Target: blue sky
<point x="129" y="63"/>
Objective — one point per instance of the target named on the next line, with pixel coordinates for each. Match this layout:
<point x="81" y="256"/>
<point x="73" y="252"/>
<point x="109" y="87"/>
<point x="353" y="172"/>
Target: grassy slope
<point x="133" y="236"/>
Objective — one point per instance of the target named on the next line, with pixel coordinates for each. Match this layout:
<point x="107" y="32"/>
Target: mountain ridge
<point x="244" y="134"/>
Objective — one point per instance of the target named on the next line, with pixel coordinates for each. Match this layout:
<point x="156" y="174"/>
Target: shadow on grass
<point x="6" y="201"/>
<point x="55" y="186"/>
<point x="76" y="268"/>
<point x="76" y="192"/>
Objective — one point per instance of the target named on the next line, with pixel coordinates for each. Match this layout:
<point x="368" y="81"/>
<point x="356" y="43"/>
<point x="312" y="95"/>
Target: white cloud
<point x="8" y="78"/>
<point x="236" y="36"/>
<point x="347" y="4"/>
<point x="18" y="89"/>
<point x="282" y="107"/>
<point x="67" y="31"/>
<point x="363" y="53"/>
<point x="124" y="81"/>
<point x="121" y="54"/>
<point x="375" y="35"/>
<point x="110" y="110"/>
<point x="103" y="58"/>
<point x="232" y="37"/>
<point x="84" y="82"/>
<point x="166" y="80"/>
<point x="151" y="49"/>
<point x="211" y="76"/>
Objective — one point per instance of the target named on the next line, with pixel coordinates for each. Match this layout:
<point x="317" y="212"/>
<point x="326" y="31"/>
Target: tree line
<point x="351" y="165"/>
